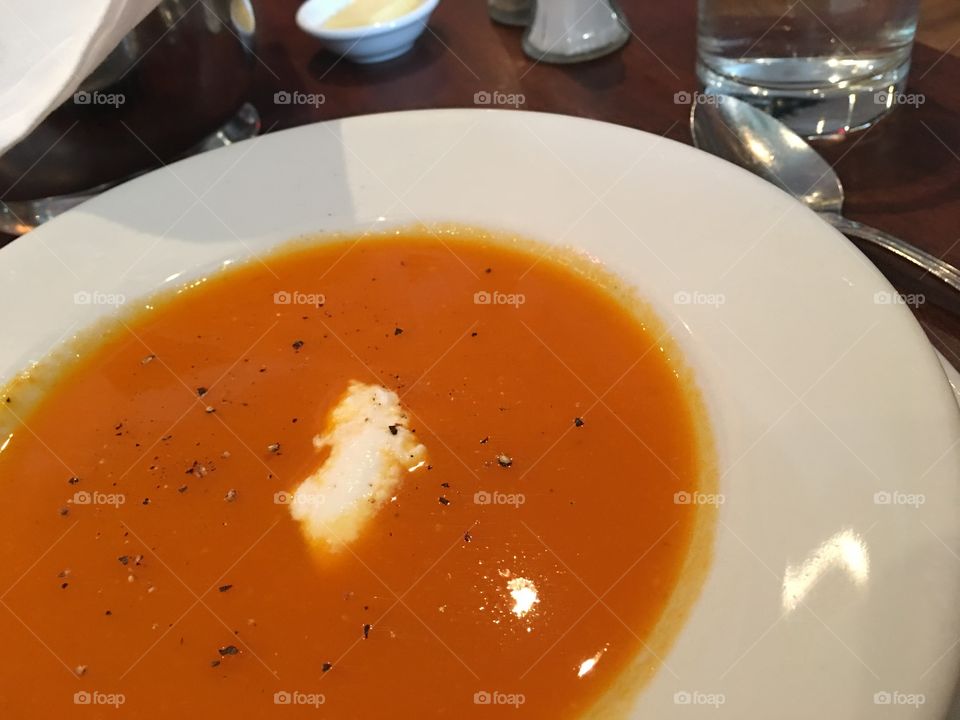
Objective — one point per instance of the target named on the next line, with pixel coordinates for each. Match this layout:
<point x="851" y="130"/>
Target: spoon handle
<point x="931" y="264"/>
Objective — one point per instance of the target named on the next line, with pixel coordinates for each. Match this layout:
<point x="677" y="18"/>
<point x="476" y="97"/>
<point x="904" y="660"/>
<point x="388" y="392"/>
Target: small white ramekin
<point x="366" y="43"/>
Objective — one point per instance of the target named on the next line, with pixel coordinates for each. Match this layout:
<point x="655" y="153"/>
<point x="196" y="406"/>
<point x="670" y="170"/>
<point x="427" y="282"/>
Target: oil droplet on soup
<point x="147" y="533"/>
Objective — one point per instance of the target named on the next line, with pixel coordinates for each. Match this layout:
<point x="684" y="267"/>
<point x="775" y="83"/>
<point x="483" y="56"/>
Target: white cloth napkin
<point x="47" y="48"/>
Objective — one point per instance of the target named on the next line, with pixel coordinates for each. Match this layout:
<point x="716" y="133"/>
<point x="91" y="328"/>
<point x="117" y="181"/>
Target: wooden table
<point x="940" y="25"/>
<point x="902" y="175"/>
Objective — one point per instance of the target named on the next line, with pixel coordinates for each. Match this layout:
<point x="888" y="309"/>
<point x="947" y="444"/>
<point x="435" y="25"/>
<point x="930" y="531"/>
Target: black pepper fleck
<point x="578" y="421"/>
<point x="326" y="667"/>
<point x="366" y="630"/>
<point x="224" y="588"/>
<point x="297" y="344"/>
<point x="229" y="650"/>
<point x="201" y="391"/>
<point x="393" y="429"/>
<point x="444" y="501"/>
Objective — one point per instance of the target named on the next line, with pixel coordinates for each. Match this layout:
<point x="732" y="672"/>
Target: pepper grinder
<point x="568" y="31"/>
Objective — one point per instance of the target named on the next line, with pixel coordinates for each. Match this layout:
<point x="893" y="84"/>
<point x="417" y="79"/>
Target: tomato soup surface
<point x="539" y="563"/>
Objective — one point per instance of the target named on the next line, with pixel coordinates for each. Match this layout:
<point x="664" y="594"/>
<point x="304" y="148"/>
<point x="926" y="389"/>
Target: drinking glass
<point x="825" y="67"/>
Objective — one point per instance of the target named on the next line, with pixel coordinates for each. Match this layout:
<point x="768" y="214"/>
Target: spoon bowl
<point x="736" y="131"/>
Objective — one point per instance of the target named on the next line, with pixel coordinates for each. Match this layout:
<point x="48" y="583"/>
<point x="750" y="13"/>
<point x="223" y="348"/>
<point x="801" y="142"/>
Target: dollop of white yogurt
<point x="371" y="451"/>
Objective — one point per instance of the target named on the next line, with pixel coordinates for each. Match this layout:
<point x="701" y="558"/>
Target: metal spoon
<point x="736" y="131"/>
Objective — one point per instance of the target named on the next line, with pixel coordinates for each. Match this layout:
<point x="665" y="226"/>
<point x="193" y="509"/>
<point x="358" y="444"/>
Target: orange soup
<point x="539" y="559"/>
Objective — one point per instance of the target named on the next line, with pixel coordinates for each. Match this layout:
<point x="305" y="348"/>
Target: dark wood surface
<point x="902" y="175"/>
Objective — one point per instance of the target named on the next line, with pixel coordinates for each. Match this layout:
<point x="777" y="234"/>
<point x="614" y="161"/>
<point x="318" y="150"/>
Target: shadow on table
<point x="374" y="77"/>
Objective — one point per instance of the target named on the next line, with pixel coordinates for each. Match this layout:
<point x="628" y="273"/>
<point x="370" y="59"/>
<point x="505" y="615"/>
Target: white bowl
<point x="366" y="43"/>
<point x="830" y="595"/>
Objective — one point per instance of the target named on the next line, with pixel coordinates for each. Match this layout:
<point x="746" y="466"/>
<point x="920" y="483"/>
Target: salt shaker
<point x="567" y="31"/>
